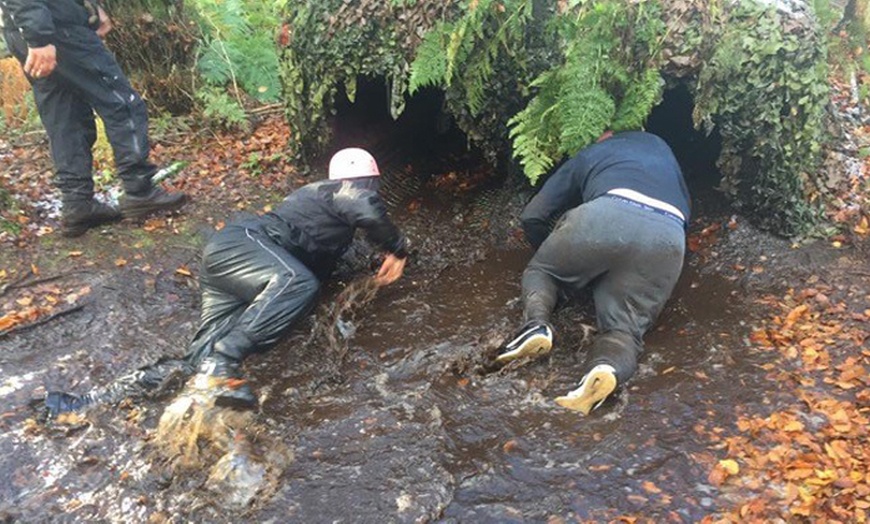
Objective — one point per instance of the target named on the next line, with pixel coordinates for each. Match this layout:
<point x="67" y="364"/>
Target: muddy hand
<point x="390" y="270"/>
<point x="41" y="61"/>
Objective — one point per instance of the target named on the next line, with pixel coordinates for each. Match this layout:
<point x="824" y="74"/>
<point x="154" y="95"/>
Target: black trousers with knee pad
<point x="253" y="292"/>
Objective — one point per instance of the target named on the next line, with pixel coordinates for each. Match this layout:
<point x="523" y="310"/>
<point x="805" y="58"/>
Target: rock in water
<point x="237" y="477"/>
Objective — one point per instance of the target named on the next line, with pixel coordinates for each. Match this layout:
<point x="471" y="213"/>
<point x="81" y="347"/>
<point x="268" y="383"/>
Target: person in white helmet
<point x="261" y="275"/>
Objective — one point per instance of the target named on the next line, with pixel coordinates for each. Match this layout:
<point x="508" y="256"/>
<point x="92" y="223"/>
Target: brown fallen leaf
<point x="25" y="301"/>
<point x="510" y="446"/>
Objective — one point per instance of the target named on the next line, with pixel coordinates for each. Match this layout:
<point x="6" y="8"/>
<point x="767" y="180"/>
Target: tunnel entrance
<point x="424" y="147"/>
<point x="696" y="152"/>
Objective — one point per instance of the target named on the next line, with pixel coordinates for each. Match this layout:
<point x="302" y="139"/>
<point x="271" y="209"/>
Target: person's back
<point x="634" y="160"/>
<point x="317" y="221"/>
<point x="635" y="163"/>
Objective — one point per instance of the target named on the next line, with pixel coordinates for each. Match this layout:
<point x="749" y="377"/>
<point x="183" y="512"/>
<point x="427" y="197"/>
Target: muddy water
<point x="413" y="424"/>
<point x="410" y="435"/>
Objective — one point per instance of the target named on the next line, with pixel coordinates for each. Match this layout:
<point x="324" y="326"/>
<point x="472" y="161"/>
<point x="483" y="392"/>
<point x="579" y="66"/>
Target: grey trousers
<point x="632" y="257"/>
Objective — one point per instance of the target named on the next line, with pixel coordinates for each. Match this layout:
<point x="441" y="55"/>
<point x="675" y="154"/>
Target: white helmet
<point x="352" y="162"/>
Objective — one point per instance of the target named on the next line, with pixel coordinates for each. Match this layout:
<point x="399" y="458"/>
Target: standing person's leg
<point x="84" y="62"/>
<point x="69" y="124"/>
<point x="566" y="258"/>
<point x="627" y="301"/>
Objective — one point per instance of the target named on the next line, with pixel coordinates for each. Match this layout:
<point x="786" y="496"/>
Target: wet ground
<point x="413" y="426"/>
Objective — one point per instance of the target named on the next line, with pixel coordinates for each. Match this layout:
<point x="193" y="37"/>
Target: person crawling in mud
<point x="260" y="275"/>
<point x="624" y="207"/>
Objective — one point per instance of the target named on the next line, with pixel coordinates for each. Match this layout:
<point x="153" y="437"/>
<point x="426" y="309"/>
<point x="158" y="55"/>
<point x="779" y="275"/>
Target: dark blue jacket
<point x="633" y="160"/>
<point x="38" y="20"/>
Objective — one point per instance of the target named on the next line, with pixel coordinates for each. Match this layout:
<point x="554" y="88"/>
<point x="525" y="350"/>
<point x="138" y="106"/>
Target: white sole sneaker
<point x="595" y="387"/>
<point x="534" y="346"/>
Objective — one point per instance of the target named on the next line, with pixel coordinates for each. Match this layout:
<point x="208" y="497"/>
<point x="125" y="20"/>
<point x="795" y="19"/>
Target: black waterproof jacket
<point x="316" y="223"/>
<point x="38" y="20"/>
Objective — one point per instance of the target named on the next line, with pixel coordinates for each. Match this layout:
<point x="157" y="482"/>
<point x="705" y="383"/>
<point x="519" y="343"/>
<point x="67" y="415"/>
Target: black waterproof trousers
<point x="632" y="257"/>
<point x="253" y="291"/>
<point x="88" y="79"/>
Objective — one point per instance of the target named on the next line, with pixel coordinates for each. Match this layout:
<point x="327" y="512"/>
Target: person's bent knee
<point x="310" y="286"/>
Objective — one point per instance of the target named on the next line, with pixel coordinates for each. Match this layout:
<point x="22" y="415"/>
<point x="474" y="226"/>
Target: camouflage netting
<point x="757" y="70"/>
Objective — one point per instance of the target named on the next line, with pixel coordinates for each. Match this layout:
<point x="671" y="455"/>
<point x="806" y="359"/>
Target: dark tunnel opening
<point x="696" y="152"/>
<point x="423" y="142"/>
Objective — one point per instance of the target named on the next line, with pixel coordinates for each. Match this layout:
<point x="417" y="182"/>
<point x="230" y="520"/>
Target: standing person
<point x="625" y="207"/>
<point x="73" y="75"/>
<point x="261" y="275"/>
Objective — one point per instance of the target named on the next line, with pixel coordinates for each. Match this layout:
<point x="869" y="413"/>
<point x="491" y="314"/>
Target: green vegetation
<point x="589" y="89"/>
<point x="213" y="56"/>
<point x="595" y="87"/>
<point x="765" y="88"/>
<point x="535" y="80"/>
<point x="542" y="79"/>
<point x="239" y="47"/>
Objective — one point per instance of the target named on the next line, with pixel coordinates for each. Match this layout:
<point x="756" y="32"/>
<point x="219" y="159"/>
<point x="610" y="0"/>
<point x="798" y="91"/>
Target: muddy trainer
<point x="261" y="275"/>
<point x="623" y="205"/>
<point x="73" y="75"/>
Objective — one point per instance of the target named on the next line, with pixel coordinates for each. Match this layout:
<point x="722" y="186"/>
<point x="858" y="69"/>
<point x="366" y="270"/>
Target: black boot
<point x="156" y="200"/>
<point x="231" y="389"/>
<point x="79" y="216"/>
<point x="58" y="402"/>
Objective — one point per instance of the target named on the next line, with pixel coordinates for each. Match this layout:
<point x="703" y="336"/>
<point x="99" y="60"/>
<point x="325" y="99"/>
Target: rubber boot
<point x="156" y="200"/>
<point x="79" y="216"/>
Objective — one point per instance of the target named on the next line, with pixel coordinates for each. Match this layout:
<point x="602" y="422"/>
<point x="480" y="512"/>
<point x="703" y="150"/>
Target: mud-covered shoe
<point x="532" y="340"/>
<point x="594" y="389"/>
<point x="58" y="402"/>
<point x="78" y="217"/>
<point x="155" y="201"/>
<point x="223" y="376"/>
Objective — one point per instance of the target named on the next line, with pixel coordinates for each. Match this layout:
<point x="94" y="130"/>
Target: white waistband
<point x="643" y="199"/>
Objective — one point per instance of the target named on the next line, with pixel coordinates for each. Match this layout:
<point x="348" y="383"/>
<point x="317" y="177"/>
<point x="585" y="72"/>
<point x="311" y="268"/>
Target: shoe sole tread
<point x="598" y="386"/>
<point x="535" y="346"/>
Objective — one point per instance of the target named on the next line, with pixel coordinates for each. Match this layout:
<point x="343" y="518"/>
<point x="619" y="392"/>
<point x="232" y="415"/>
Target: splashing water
<point x="335" y="323"/>
<point x="194" y="434"/>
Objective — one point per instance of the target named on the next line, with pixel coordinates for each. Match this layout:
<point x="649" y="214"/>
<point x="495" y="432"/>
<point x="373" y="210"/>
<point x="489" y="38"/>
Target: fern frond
<point x="475" y="82"/>
<point x="534" y="130"/>
<point x="638" y="102"/>
<point x="429" y="67"/>
<point x="586" y="113"/>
